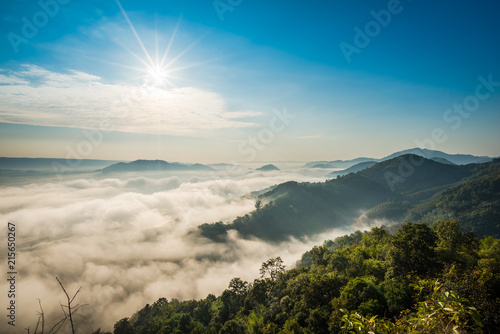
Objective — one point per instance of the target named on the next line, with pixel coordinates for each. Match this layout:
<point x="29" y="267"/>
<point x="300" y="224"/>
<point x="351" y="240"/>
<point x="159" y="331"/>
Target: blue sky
<point x="248" y="80"/>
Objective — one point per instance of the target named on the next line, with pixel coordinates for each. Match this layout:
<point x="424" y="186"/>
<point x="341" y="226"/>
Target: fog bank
<point x="129" y="241"/>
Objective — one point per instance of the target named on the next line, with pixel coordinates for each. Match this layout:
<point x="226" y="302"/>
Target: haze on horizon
<point x="253" y="81"/>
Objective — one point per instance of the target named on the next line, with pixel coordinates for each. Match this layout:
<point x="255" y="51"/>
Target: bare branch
<point x="62" y="308"/>
<point x="70" y="300"/>
<point x="75" y="294"/>
<point x="68" y="310"/>
<point x="41" y="318"/>
<point x="60" y="324"/>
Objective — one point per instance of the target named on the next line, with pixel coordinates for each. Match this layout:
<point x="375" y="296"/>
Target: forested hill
<point x="474" y="203"/>
<point x="397" y="189"/>
<point x="419" y="280"/>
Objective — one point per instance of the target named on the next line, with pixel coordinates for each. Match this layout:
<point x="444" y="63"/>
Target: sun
<point x="157" y="75"/>
<point x="158" y="72"/>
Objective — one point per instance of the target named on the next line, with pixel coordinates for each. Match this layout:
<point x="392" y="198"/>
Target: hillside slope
<point x="392" y="188"/>
<point x="474" y="203"/>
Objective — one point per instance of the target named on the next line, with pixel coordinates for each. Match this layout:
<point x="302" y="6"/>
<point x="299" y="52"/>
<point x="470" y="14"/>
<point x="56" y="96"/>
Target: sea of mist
<point x="128" y="240"/>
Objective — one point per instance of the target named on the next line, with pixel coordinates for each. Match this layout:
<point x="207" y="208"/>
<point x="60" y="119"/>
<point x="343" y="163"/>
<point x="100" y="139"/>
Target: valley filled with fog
<point x="129" y="239"/>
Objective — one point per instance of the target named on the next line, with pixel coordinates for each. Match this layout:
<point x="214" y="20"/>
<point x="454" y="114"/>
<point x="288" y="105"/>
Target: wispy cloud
<point x="11" y="79"/>
<point x="38" y="96"/>
<point x="242" y="114"/>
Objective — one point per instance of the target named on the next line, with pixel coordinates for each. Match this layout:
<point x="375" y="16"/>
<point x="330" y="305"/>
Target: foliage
<point x="272" y="268"/>
<point x="413" y="250"/>
<point x="420" y="280"/>
<point x="390" y="210"/>
<point x="216" y="232"/>
<point x="441" y="312"/>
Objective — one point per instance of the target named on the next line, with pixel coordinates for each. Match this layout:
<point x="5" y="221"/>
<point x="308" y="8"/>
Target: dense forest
<point x="420" y="279"/>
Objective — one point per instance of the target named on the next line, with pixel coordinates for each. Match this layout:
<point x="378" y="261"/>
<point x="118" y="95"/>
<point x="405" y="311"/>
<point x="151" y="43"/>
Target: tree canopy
<point x="421" y="279"/>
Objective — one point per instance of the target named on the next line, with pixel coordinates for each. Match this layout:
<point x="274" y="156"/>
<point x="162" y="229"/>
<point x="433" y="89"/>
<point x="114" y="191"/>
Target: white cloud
<point x="37" y="96"/>
<point x="11" y="80"/>
<point x="128" y="241"/>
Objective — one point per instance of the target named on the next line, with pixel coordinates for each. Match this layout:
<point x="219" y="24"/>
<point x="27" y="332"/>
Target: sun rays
<point x="157" y="71"/>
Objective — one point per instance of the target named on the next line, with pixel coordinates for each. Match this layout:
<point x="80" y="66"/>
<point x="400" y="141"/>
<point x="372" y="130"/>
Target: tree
<point x="185" y="323"/>
<point x="123" y="327"/>
<point x="202" y="312"/>
<point x="271" y="268"/>
<point x="398" y="294"/>
<point x="319" y="255"/>
<point x="413" y="250"/>
<point x="257" y="294"/>
<point x="363" y="295"/>
<point x="238" y="286"/>
<point x="233" y="298"/>
<point x="454" y="246"/>
<point x="317" y="322"/>
<point x="448" y="235"/>
<point x="232" y="327"/>
<point x="258" y="204"/>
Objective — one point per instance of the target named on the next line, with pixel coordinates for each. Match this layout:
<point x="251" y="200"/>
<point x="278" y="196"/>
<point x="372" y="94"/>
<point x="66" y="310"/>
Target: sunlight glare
<point x="157" y="75"/>
<point x="156" y="72"/>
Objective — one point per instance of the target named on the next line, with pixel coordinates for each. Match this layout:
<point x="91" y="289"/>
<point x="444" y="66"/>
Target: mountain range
<point x="49" y="164"/>
<point x="458" y="159"/>
<point x="394" y="190"/>
<point x="153" y="166"/>
<point x="35" y="166"/>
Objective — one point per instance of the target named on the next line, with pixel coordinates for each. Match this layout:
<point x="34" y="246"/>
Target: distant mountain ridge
<point x="458" y="159"/>
<point x="152" y="166"/>
<point x="337" y="163"/>
<point x="353" y="169"/>
<point x="391" y="189"/>
<point x="51" y="163"/>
